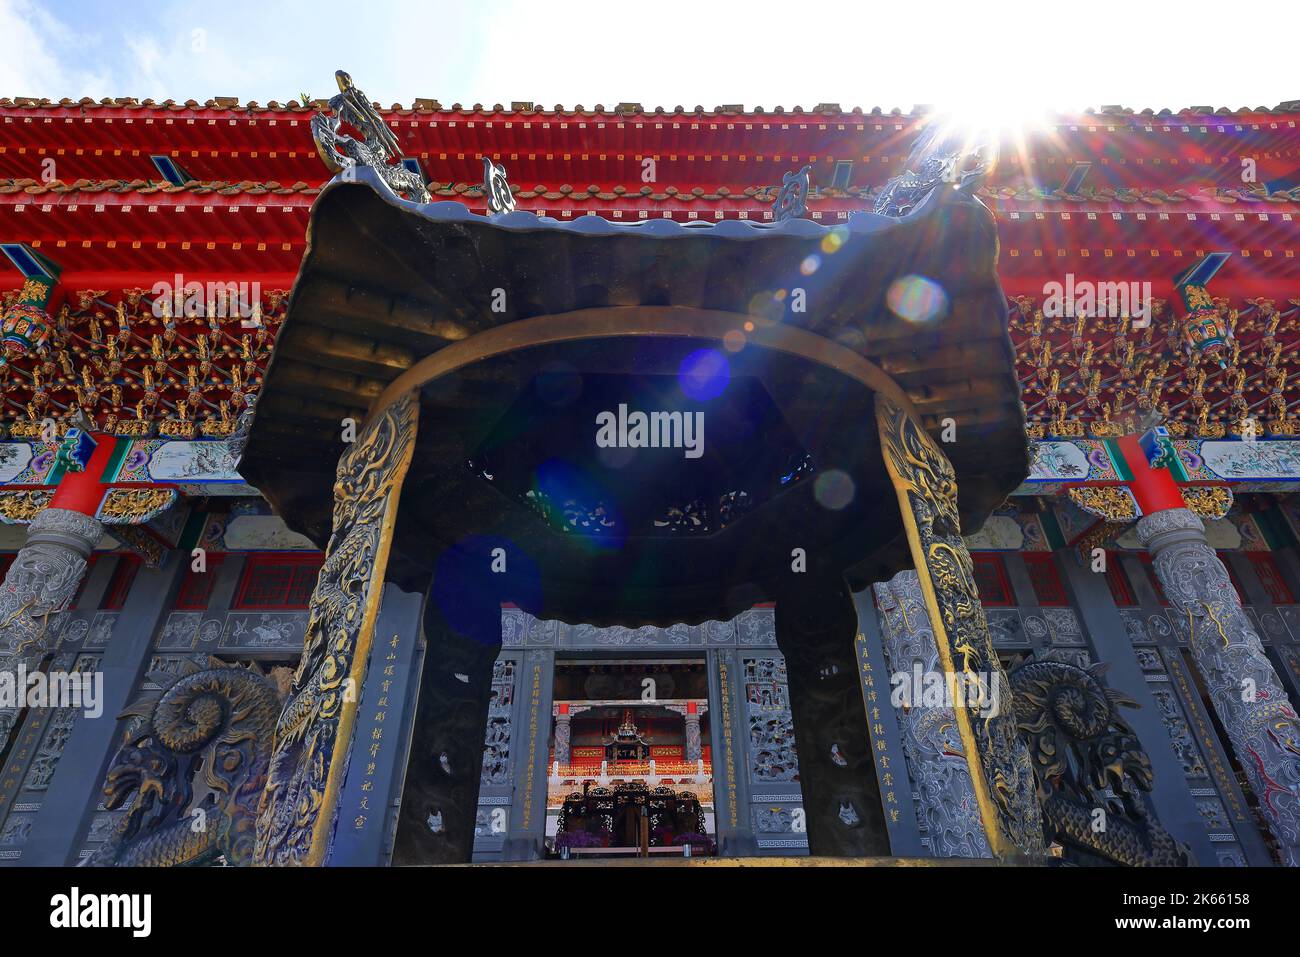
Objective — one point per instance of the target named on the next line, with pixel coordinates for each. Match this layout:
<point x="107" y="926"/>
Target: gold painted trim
<point x="888" y="422"/>
<point x="20" y="507"/>
<point x="623" y="321"/>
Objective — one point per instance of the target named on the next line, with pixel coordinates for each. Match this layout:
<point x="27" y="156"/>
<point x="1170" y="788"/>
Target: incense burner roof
<point x="387" y="284"/>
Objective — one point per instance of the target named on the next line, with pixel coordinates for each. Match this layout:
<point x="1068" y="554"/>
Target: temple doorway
<point x="630" y="766"/>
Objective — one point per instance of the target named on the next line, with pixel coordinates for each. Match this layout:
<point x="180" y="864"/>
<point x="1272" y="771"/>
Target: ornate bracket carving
<point x="20" y="507"/>
<point x="134" y="506"/>
<point x="1113" y="503"/>
<point x="792" y="200"/>
<point x="497" y="188"/>
<point x="1208" y="502"/>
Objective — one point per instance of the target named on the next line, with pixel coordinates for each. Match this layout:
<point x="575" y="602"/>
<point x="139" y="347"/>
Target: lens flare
<point x="704" y="374"/>
<point x="916" y="299"/>
<point x="833" y="240"/>
<point x="834" y="490"/>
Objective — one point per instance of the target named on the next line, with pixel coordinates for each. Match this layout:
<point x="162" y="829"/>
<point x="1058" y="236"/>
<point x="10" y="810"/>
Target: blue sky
<point x="1010" y="57"/>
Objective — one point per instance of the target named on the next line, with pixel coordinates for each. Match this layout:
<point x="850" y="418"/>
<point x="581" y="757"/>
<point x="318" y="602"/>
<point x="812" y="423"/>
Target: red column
<point x="1154" y="489"/>
<point x="83" y="491"/>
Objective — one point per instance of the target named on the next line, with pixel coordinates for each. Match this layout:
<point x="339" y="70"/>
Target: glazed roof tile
<point x="144" y="187"/>
<point x="421" y="105"/>
<point x="758" y="194"/>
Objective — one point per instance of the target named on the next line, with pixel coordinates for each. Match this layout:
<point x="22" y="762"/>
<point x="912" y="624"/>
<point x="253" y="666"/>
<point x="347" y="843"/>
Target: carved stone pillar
<point x="39" y="586"/>
<point x="998" y="757"/>
<point x="314" y="732"/>
<point x="694" y="748"/>
<point x="946" y="796"/>
<point x="563" y="731"/>
<point x="44" y="578"/>
<point x="1249" y="699"/>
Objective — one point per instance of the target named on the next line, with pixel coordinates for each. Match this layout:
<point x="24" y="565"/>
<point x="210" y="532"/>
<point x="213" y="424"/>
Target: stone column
<point x="998" y="757"/>
<point x="44" y="577"/>
<point x="563" y="730"/>
<point x="935" y="755"/>
<point x="1249" y="699"/>
<point x="694" y="748"/>
<point x="38" y="587"/>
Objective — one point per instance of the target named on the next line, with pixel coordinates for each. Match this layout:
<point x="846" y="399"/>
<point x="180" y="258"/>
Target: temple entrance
<point x="630" y="774"/>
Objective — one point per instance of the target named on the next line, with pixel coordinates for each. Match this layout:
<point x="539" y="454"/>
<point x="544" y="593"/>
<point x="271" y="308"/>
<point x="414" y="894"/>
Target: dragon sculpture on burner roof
<point x="379" y="150"/>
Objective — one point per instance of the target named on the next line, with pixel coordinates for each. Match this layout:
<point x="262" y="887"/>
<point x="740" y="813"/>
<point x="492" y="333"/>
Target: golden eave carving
<point x="1113" y="503"/>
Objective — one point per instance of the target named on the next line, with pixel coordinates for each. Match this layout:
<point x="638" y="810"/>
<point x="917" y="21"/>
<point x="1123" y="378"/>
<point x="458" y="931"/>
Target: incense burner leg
<point x="445" y="765"/>
<point x="998" y="757"/>
<point x="314" y="731"/>
<point x="815" y="631"/>
<point x="1248" y="697"/>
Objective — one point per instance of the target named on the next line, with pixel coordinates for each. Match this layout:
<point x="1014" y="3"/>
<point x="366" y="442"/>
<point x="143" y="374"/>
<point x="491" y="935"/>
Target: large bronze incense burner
<point x="640" y="423"/>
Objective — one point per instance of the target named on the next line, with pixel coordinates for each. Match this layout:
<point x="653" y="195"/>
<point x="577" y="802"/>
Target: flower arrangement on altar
<point x="664" y="836"/>
<point x="573" y="839"/>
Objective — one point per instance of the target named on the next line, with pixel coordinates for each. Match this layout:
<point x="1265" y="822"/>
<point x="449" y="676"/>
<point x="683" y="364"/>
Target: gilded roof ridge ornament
<point x="792" y="199"/>
<point x="380" y="151"/>
<point x="938" y="157"/>
<point x="497" y="188"/>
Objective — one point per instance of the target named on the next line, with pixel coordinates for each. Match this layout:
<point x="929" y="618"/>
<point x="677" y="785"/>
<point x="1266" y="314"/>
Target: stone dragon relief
<point x="315" y="728"/>
<point x="209" y="725"/>
<point x="1246" y="693"/>
<point x="998" y="757"/>
<point x="1090" y="767"/>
